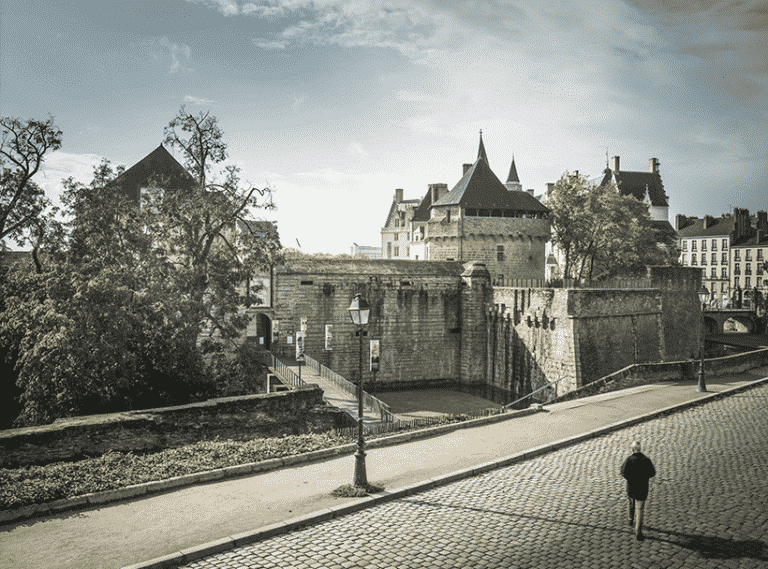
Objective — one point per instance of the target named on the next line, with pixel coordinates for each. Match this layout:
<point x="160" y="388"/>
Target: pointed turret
<point x="513" y="173"/>
<point x="513" y="182"/>
<point x="481" y="151"/>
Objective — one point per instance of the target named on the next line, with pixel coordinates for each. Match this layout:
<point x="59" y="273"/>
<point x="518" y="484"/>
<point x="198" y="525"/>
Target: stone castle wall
<point x="415" y="314"/>
<point x="443" y="323"/>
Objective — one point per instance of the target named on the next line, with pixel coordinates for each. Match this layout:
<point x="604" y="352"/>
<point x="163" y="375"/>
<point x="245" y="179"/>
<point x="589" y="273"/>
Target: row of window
<point x="695" y="244"/>
<point x="713" y="259"/>
<point x="747" y="269"/>
<point x="724" y="287"/>
<point x="747" y="254"/>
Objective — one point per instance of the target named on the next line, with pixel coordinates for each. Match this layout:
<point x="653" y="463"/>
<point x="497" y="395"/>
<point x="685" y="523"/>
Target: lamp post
<point x="703" y="297"/>
<point x="359" y="312"/>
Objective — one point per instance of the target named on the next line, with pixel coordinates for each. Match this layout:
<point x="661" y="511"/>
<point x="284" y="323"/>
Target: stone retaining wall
<point x="296" y="411"/>
<point x="638" y="374"/>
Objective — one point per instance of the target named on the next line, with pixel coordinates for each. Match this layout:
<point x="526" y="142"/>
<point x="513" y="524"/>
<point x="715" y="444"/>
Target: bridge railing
<point x="377" y="405"/>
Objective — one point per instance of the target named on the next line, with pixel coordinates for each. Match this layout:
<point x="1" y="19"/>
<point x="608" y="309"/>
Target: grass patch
<point x="349" y="491"/>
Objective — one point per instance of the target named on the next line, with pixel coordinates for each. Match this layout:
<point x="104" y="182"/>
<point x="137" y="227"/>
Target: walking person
<point x="638" y="470"/>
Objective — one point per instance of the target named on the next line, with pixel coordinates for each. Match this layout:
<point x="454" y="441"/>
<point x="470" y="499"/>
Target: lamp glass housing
<point x="703" y="294"/>
<point x="359" y="310"/>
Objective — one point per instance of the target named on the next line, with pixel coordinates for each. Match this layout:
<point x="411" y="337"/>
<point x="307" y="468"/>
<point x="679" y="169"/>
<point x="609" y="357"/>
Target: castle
<point x="480" y="219"/>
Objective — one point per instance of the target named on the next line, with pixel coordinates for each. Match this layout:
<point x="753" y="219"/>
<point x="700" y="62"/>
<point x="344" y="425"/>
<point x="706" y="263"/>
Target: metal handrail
<point x="377" y="405"/>
<point x="531" y="393"/>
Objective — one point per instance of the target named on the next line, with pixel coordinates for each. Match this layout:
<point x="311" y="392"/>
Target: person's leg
<point x="631" y="512"/>
<point x="639" y="518"/>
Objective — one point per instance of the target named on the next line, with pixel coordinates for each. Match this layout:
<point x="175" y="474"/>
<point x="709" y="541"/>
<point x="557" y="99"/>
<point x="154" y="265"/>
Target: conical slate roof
<point x="480" y="188"/>
<point x="513" y="173"/>
<point x="159" y="167"/>
<point x="481" y="150"/>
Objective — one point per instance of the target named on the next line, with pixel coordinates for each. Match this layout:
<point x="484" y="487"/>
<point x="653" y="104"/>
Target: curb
<point x="224" y="544"/>
<point x="156" y="486"/>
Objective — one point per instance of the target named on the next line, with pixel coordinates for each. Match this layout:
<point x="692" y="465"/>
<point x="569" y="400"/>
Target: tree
<point x="213" y="243"/>
<point x="22" y="151"/>
<point x="602" y="233"/>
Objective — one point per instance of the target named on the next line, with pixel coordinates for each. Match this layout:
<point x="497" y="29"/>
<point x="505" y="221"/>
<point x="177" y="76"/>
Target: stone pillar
<point x="476" y="295"/>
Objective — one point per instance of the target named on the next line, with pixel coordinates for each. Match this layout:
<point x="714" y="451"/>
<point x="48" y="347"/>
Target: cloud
<point x="414" y="97"/>
<point x="356" y="149"/>
<point x="197" y="100"/>
<point x="162" y="49"/>
<point x="269" y="45"/>
<point x="59" y="166"/>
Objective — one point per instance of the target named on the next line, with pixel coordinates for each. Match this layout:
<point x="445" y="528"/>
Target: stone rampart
<point x="293" y="411"/>
<point x="415" y="314"/>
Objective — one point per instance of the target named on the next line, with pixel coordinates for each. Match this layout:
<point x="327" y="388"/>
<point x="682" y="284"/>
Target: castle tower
<point x="513" y="182"/>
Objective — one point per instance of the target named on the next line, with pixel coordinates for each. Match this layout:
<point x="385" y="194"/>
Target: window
<point x="748" y="255"/>
<point x="714" y="244"/>
<point x="684" y="259"/>
<point x="759" y="254"/>
<point x="759" y="282"/>
<point x="499" y="252"/>
<point x="724" y="287"/>
<point x="713" y="273"/>
<point x="748" y="269"/>
<point x="723" y="273"/>
<point x="693" y="259"/>
<point x="724" y="258"/>
<point x="725" y="243"/>
<point x="703" y="259"/>
<point x="693" y="245"/>
<point x="736" y="281"/>
<point x="736" y="269"/>
<point x="737" y="255"/>
<point x="389" y="249"/>
<point x="759" y="269"/>
<point x="685" y="244"/>
<point x="396" y="251"/>
<point x="714" y="258"/>
<point x="746" y="282"/>
<point x="703" y="244"/>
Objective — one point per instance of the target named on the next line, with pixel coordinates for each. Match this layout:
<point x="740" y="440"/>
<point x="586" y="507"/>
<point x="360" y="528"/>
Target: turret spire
<point x="481" y="150"/>
<point x="513" y="172"/>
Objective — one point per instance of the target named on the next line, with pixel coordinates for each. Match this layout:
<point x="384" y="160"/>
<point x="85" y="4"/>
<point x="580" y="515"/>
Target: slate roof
<point x="158" y="166"/>
<point x="421" y="213"/>
<point x="638" y="184"/>
<point x="393" y="208"/>
<point x="481" y="150"/>
<point x="719" y="226"/>
<point x="513" y="173"/>
<point x="480" y="188"/>
<point x="751" y="242"/>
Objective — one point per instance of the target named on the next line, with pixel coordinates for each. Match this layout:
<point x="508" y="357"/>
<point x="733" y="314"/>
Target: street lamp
<point x="359" y="311"/>
<point x="703" y="297"/>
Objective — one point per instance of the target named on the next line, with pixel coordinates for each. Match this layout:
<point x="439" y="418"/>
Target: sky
<point x="334" y="104"/>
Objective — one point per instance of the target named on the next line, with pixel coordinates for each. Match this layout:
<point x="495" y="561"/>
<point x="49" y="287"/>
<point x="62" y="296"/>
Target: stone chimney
<point x="742" y="226"/>
<point x="709" y="221"/>
<point x="615" y="163"/>
<point x="762" y="221"/>
<point x="681" y="221"/>
<point x="653" y="165"/>
<point x="465" y="168"/>
<point x="438" y="191"/>
<point x="399" y="195"/>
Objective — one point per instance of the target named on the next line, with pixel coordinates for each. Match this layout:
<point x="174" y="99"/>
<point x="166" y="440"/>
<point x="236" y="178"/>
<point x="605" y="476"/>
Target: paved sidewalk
<point x="134" y="532"/>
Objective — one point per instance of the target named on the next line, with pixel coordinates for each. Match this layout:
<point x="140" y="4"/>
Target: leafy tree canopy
<point x="601" y="233"/>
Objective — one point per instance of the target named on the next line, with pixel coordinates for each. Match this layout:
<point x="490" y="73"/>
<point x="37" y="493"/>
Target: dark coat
<point x="638" y="469"/>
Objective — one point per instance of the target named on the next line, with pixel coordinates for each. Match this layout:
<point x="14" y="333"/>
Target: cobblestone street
<point x="707" y="508"/>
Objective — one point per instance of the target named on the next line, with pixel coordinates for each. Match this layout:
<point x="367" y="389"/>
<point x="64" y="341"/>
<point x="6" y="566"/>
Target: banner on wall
<point x="301" y="334"/>
<point x="375" y="355"/>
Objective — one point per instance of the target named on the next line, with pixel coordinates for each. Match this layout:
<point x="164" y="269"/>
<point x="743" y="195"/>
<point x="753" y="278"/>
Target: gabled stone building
<point x="479" y="219"/>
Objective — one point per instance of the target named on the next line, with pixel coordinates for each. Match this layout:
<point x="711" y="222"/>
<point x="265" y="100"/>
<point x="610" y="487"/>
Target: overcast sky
<point x="336" y="104"/>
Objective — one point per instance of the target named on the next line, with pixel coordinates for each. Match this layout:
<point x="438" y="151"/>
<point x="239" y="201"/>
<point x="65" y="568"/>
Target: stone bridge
<point x="715" y="320"/>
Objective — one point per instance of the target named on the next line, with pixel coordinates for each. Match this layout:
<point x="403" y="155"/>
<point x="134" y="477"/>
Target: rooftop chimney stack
<point x="653" y="165"/>
<point x="399" y="195"/>
<point x="438" y="191"/>
<point x="465" y="168"/>
<point x="615" y="163"/>
<point x="709" y="221"/>
<point x="762" y="221"/>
